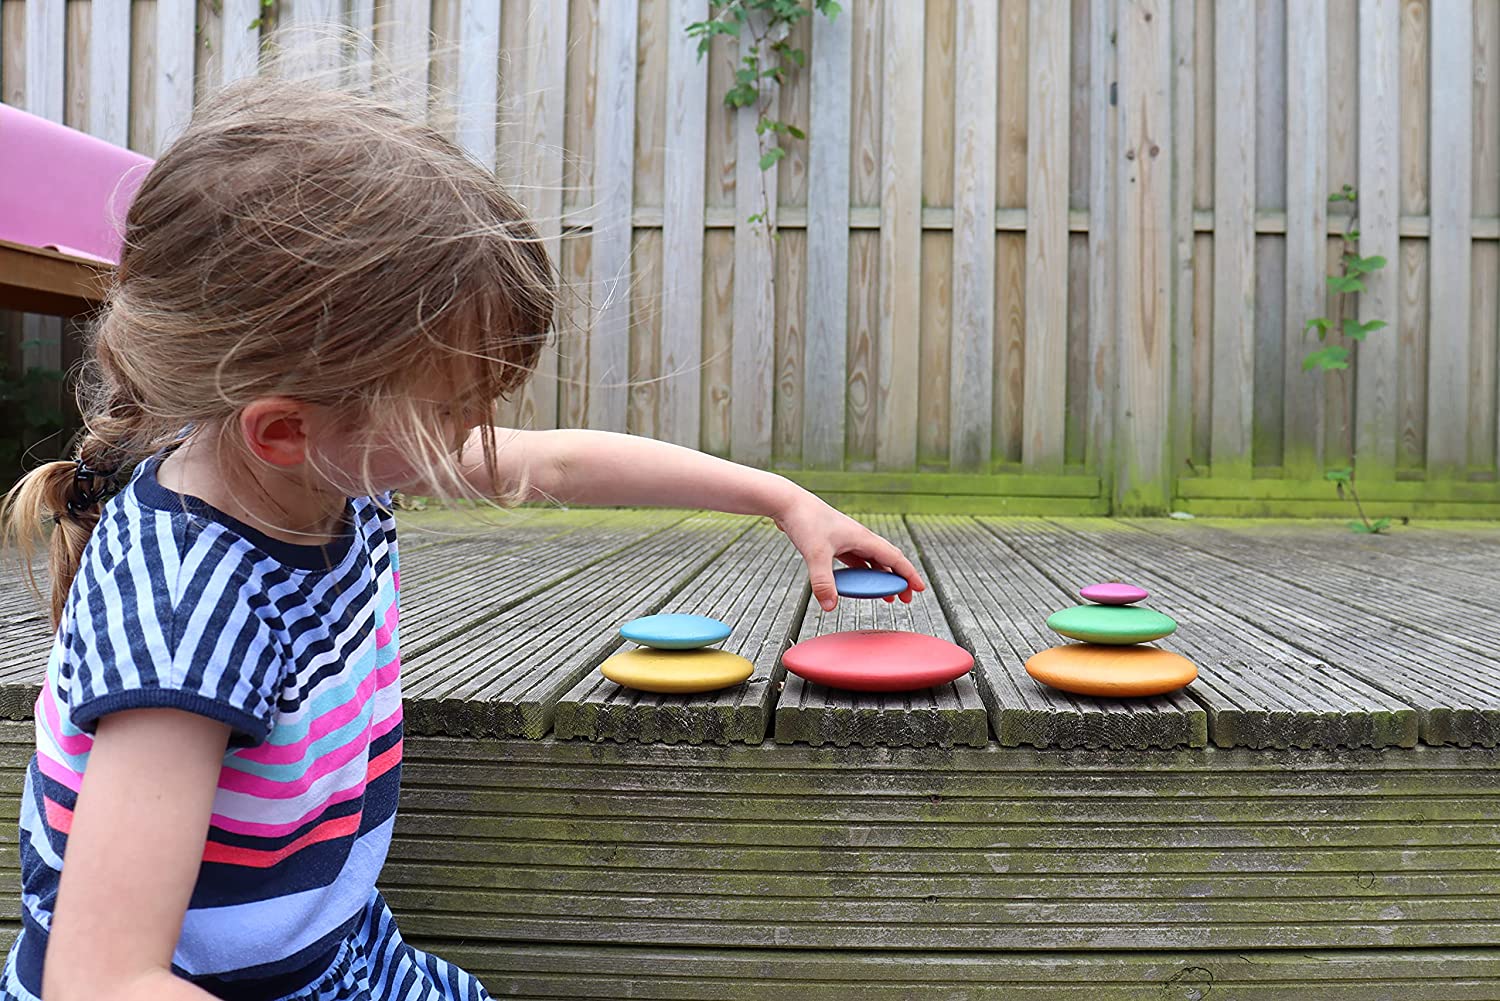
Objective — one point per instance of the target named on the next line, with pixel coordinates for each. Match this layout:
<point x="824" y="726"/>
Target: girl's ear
<point x="276" y="430"/>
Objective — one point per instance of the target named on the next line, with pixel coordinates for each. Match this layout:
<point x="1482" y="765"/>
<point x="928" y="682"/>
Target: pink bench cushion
<point x="63" y="189"/>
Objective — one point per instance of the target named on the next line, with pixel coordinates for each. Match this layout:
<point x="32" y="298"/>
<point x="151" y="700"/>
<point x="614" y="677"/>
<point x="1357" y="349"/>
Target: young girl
<point x="318" y="302"/>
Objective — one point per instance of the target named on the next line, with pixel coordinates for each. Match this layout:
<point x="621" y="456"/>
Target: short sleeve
<point x="178" y="620"/>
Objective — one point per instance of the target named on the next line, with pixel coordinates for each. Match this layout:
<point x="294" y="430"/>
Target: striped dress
<point x="295" y="648"/>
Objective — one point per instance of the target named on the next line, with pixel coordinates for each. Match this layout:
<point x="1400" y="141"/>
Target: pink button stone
<point x="1113" y="594"/>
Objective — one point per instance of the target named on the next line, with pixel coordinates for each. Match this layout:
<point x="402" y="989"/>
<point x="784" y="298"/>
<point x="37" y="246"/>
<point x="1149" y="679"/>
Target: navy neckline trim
<point x="150" y="493"/>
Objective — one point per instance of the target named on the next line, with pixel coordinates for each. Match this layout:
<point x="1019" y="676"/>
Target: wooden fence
<point x="1063" y="250"/>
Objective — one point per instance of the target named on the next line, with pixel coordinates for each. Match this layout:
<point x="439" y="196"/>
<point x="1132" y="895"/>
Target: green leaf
<point x="1374" y="263"/>
<point x="1362" y="528"/>
<point x="770" y="157"/>
<point x="1358" y="331"/>
<point x="1345" y="283"/>
<point x="829" y="8"/>
<point x="1326" y="359"/>
<point x="1381" y="524"/>
<point x="1343" y="475"/>
<point x="795" y="132"/>
<point x="1319" y="324"/>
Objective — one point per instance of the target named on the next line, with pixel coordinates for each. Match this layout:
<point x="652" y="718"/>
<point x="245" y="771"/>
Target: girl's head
<point x="307" y="248"/>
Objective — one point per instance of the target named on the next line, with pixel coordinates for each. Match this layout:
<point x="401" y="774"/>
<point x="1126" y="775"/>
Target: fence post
<point x="1142" y="482"/>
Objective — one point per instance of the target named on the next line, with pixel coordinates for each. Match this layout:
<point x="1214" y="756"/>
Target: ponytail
<point x="67" y="497"/>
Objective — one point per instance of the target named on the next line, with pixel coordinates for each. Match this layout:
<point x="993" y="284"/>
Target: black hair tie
<point x="90" y="487"/>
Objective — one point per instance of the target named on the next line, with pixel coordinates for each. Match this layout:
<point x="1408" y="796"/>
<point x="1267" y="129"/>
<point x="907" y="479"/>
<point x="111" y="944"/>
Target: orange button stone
<point x="1114" y="671"/>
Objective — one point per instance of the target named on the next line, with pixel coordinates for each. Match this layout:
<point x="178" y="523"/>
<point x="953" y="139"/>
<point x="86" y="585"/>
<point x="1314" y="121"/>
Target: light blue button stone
<point x="862" y="582"/>
<point x="671" y="631"/>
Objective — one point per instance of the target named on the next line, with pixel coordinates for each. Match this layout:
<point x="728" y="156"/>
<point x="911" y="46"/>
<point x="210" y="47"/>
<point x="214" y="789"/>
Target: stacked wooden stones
<point x="676" y="656"/>
<point x="1110" y="660"/>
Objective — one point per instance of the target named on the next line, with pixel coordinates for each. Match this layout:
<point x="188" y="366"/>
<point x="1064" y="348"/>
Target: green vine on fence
<point x="1333" y="356"/>
<point x="769" y="56"/>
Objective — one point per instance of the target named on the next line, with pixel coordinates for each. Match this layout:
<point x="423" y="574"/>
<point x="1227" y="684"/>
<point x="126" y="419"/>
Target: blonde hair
<point x="302" y="242"/>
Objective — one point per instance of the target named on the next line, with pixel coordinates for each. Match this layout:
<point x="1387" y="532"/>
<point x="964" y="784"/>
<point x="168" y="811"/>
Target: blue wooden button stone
<point x="672" y="631"/>
<point x="861" y="582"/>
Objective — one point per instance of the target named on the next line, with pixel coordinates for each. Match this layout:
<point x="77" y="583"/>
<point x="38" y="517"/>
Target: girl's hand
<point x="822" y="534"/>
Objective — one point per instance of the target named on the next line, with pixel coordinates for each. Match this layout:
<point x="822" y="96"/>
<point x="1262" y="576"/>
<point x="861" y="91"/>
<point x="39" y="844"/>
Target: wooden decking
<point x="1317" y="816"/>
<point x="1306" y="635"/>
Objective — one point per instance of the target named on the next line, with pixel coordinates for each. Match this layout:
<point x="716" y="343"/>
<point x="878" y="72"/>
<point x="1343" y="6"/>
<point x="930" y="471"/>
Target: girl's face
<point x="356" y="457"/>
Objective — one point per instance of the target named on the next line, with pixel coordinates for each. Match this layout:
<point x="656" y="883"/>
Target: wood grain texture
<point x="109" y="65"/>
<point x="504" y="675"/>
<point x="758" y="586"/>
<point x="1307" y="227"/>
<point x="1142" y="480"/>
<point x="897" y="350"/>
<point x="478" y="84"/>
<point x="718" y="299"/>
<point x="311" y="35"/>
<point x="753" y="348"/>
<point x="682" y="228"/>
<point x="614" y="139"/>
<point x="934" y="388"/>
<point x="971" y="354"/>
<point x="1103" y="305"/>
<point x="1258" y="691"/>
<point x="542" y="65"/>
<point x="997" y="605"/>
<point x="1376" y="410"/>
<point x="580" y="103"/>
<point x="1269" y="430"/>
<point x="645" y="334"/>
<point x="791" y="308"/>
<point x="864" y="321"/>
<point x="947" y="715"/>
<point x="824" y="368"/>
<point x="1448" y="355"/>
<point x="1047" y="91"/>
<point x="44" y="43"/>
<point x="1184" y="239"/>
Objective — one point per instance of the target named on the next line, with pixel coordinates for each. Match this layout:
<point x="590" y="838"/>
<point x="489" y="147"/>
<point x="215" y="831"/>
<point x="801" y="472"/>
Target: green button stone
<point x="1114" y="624"/>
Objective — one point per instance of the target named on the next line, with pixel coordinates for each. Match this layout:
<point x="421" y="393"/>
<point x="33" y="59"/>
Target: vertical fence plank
<point x="174" y="69"/>
<point x="614" y="179"/>
<point x="718" y="252"/>
<point x="1184" y="245"/>
<point x="1045" y="391"/>
<point x="934" y="399"/>
<point x="239" y="41"/>
<point x="1270" y="249"/>
<point x="1141" y="477"/>
<point x="1233" y="237"/>
<point x="866" y="92"/>
<point x="313" y="32"/>
<point x="1008" y="374"/>
<point x="478" y="79"/>
<point x="1340" y="138"/>
<point x="109" y="68"/>
<point x="1452" y="190"/>
<point x="543" y="72"/>
<point x="971" y="354"/>
<point x="406" y="41"/>
<point x="1486" y="280"/>
<point x="581" y="96"/>
<point x="1099" y="453"/>
<point x="823" y="371"/>
<point x="897" y="350"/>
<point x="641" y="413"/>
<point x="1306" y="229"/>
<point x="682" y="227"/>
<point x="754" y="347"/>
<point x="1411" y="364"/>
<point x="1379" y="135"/>
<point x="45" y="45"/>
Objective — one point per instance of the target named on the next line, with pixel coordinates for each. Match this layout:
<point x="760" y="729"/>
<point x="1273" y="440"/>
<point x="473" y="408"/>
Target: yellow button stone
<point x="676" y="672"/>
<point x="1112" y="671"/>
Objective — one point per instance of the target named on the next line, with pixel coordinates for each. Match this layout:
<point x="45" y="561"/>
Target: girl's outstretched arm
<point x="132" y="858"/>
<point x="601" y="467"/>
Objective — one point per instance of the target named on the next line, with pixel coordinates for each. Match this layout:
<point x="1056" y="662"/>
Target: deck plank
<point x="944" y="715"/>
<point x="998" y="606"/>
<point x="1458" y="705"/>
<point x="759" y="587"/>
<point x="503" y="676"/>
<point x="1259" y="691"/>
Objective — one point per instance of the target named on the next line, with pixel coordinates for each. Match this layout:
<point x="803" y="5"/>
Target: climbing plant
<point x="1339" y="337"/>
<point x="770" y="56"/>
